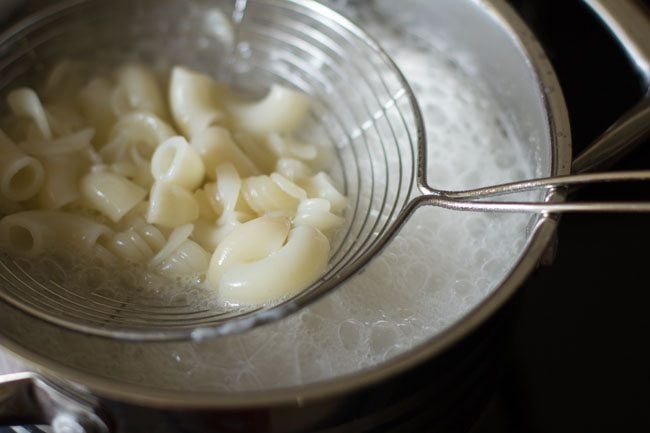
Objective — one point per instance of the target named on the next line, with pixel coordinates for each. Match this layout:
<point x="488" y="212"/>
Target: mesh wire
<point x="362" y="106"/>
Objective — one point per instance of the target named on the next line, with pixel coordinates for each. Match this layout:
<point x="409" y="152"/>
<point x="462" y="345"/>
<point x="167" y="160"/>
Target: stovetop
<point x="577" y="359"/>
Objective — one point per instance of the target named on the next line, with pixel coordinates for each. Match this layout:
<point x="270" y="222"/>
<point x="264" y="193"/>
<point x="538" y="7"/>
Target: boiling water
<point x="439" y="267"/>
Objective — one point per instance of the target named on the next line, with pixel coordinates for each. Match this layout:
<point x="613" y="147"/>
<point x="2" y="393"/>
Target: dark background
<point x="578" y="358"/>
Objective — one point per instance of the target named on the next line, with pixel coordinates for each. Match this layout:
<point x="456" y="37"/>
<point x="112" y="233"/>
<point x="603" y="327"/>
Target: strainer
<point x="362" y="105"/>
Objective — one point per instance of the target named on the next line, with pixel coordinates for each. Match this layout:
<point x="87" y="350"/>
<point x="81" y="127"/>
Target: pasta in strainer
<point x="207" y="185"/>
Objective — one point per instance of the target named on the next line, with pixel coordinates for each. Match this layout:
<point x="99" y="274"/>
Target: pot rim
<point x="558" y="130"/>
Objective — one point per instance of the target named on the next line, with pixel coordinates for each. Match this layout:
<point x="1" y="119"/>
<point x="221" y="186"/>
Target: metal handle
<point x="471" y="199"/>
<point x="629" y="23"/>
<point x="25" y="398"/>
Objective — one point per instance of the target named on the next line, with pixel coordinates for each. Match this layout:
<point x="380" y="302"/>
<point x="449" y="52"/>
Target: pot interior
<point x="485" y="107"/>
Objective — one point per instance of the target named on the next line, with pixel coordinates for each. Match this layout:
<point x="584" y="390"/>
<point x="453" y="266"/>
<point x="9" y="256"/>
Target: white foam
<point x="441" y="265"/>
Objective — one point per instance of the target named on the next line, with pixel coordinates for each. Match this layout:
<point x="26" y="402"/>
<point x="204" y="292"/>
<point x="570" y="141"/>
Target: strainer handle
<point x="629" y="23"/>
<point x="26" y="399"/>
<point x="474" y="199"/>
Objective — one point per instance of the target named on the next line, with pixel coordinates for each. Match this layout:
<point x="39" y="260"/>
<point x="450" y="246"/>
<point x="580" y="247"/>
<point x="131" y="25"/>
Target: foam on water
<point x="440" y="266"/>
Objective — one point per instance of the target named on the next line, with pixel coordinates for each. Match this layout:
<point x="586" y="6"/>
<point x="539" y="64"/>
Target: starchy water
<point x="439" y="267"/>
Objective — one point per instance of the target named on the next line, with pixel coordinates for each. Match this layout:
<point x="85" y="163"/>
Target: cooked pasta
<point x="293" y="169"/>
<point x="175" y="161"/>
<point x="305" y="254"/>
<point x="281" y="111"/>
<point x="189" y="258"/>
<point x="322" y="186"/>
<point x="138" y="242"/>
<point x="197" y="183"/>
<point x="25" y="102"/>
<point x="93" y="102"/>
<point x="36" y="232"/>
<point x="171" y="205"/>
<point x="74" y="142"/>
<point x="139" y="132"/>
<point x="316" y="212"/>
<point x="111" y="194"/>
<point x="131" y="246"/>
<point x="194" y="101"/>
<point x="61" y="181"/>
<point x="263" y="195"/>
<point x="216" y="146"/>
<point x="21" y="175"/>
<point x="247" y="243"/>
<point x="137" y="89"/>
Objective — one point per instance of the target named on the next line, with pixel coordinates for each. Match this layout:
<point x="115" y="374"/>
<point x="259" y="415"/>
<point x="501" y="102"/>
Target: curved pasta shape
<point x="171" y="205"/>
<point x="188" y="259"/>
<point x="140" y="131"/>
<point x="216" y="146"/>
<point x="208" y="202"/>
<point x="293" y="169"/>
<point x="64" y="79"/>
<point x="209" y="208"/>
<point x="74" y="142"/>
<point x="181" y="255"/>
<point x="25" y="102"/>
<point x="322" y="186"/>
<point x="315" y="212"/>
<point x="179" y="235"/>
<point x="21" y="176"/>
<point x="130" y="246"/>
<point x="137" y="90"/>
<point x="292" y="268"/>
<point x="64" y="119"/>
<point x="60" y="184"/>
<point x="257" y="150"/>
<point x="111" y="194"/>
<point x="94" y="106"/>
<point x="264" y="195"/>
<point x="228" y="186"/>
<point x="248" y="242"/>
<point x="288" y="186"/>
<point x="207" y="234"/>
<point x="287" y="147"/>
<point x="140" y="174"/>
<point x="194" y="101"/>
<point x="35" y="232"/>
<point x="282" y="110"/>
<point x="139" y="242"/>
<point x="175" y="161"/>
<point x="149" y="233"/>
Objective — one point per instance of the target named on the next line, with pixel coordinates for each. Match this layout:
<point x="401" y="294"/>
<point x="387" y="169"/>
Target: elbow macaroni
<point x="202" y="184"/>
<point x="21" y="175"/>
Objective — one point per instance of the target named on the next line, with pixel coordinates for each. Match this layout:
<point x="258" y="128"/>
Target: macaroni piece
<point x="25" y="102"/>
<point x="61" y="181"/>
<point x="216" y="146"/>
<point x="137" y="89"/>
<point x="176" y="162"/>
<point x="194" y="182"/>
<point x="194" y="101"/>
<point x="111" y="194"/>
<point x="21" y="176"/>
<point x="34" y="232"/>
<point x="171" y="205"/>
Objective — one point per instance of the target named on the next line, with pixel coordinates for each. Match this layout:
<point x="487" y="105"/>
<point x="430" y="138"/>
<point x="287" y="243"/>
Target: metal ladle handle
<point x="629" y="23"/>
<point x="472" y="199"/>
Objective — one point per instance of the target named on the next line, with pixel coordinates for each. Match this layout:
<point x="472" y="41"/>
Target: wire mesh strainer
<point x="362" y="104"/>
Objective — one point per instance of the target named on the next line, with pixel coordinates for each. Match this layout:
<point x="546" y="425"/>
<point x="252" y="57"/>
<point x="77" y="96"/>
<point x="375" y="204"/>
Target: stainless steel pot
<point x="68" y="396"/>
